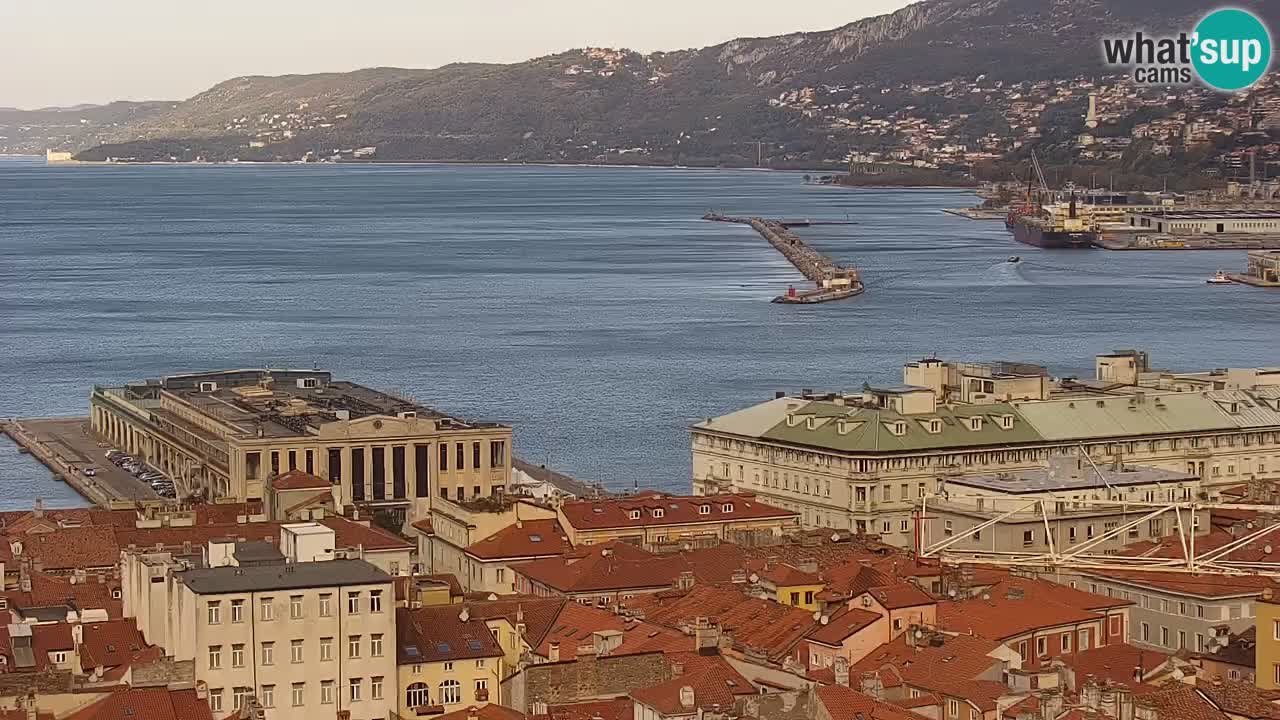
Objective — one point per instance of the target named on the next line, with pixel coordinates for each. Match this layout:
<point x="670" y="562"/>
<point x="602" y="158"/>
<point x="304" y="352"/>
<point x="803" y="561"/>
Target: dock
<point x="66" y="445"/>
<point x="832" y="280"/>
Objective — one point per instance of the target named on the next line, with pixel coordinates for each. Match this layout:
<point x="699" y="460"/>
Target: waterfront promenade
<point x="67" y="446"/>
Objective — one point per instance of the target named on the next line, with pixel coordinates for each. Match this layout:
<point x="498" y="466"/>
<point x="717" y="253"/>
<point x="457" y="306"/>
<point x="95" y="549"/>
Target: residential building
<point x="652" y="519"/>
<point x="790" y="585"/>
<point x="865" y="461"/>
<point x="1042" y="621"/>
<point x="600" y="575"/>
<point x="455" y="525"/>
<point x="1232" y="656"/>
<point x="1266" y="660"/>
<point x="489" y="562"/>
<point x="446" y="660"/>
<point x="295" y="632"/>
<point x="224" y="434"/>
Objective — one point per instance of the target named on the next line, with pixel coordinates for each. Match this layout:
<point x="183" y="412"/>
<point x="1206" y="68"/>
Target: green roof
<point x="1125" y="416"/>
<point x="872" y="429"/>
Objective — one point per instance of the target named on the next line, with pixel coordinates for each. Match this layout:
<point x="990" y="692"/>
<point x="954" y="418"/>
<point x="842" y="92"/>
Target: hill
<point x="706" y="106"/>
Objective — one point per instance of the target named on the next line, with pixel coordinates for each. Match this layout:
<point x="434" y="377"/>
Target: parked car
<point x="89" y="470"/>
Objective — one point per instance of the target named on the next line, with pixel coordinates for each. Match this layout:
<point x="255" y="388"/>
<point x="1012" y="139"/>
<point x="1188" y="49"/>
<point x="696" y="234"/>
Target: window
<point x="375" y="601"/>
<point x="354" y="691"/>
<point x="1071" y="534"/>
<point x="1275" y="629"/>
<point x="295" y="606"/>
<point x="239" y="696"/>
<point x="299" y="694"/>
<point x="267" y="610"/>
<point x="1084" y="640"/>
<point x="326" y="692"/>
<point x="353" y="603"/>
<point x="953" y="708"/>
<point x="375" y="645"/>
<point x="237" y="611"/>
<point x="375" y="687"/>
<point x="1275" y="672"/>
<point x="326" y="604"/>
<point x="326" y="648"/>
<point x="215" y="612"/>
<point x="727" y="507"/>
<point x="448" y="667"/>
<point x="1028" y="537"/>
<point x="1182" y="639"/>
<point x="897" y="624"/>
<point x="886" y="527"/>
<point x="946" y="528"/>
<point x="1042" y="646"/>
<point x="444" y="457"/>
<point x="704" y="509"/>
<point x="215" y="657"/>
<point x="295" y="651"/>
<point x="268" y="696"/>
<point x="1146" y="632"/>
<point x="450" y="692"/>
<point x="416" y="695"/>
<point x="215" y="699"/>
<point x="634" y="514"/>
<point x="1066" y="642"/>
<point x="658" y="512"/>
<point x="353" y="646"/>
<point x="482" y="684"/>
<point x="59" y="657"/>
<point x="237" y="655"/>
<point x="268" y="653"/>
<point x="1164" y="636"/>
<point x="1199" y="642"/>
<point x="795" y="598"/>
<point x="460" y="457"/>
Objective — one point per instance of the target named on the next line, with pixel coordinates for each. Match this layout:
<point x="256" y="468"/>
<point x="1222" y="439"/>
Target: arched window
<point x="417" y="695"/>
<point x="450" y="692"/>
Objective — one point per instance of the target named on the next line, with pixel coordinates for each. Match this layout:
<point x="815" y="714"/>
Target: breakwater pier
<point x="68" y="447"/>
<point x="832" y="281"/>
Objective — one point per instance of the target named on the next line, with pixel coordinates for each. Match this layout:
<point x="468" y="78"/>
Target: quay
<point x="1262" y="270"/>
<point x="66" y="445"/>
<point x="978" y="213"/>
<point x="833" y="281"/>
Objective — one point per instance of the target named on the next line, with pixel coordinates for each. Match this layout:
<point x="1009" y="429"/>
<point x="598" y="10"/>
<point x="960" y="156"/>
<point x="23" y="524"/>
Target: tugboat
<point x="1219" y="278"/>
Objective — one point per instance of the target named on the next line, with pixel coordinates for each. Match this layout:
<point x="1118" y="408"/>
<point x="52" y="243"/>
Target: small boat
<point x="1219" y="278"/>
<point x="1015" y="259"/>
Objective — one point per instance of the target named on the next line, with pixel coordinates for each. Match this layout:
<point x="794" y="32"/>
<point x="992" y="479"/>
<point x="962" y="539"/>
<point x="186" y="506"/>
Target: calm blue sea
<point x="591" y="308"/>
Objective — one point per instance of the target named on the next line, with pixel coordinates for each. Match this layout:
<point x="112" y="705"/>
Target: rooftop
<point x="654" y="508"/>
<point x="291" y="576"/>
<point x="442" y="633"/>
<point x="271" y="402"/>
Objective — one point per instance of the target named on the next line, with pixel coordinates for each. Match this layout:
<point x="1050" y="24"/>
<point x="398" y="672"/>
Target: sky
<point x="66" y="52"/>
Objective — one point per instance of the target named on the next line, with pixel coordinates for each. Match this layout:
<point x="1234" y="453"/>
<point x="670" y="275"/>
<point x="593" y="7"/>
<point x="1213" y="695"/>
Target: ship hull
<point x="1035" y="236"/>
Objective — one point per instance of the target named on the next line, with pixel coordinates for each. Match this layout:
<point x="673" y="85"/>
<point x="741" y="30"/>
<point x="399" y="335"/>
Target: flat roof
<point x="1068" y="477"/>
<point x="282" y="576"/>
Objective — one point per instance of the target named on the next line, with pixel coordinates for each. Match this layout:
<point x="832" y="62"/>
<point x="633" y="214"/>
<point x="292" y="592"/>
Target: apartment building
<point x="224" y="434"/>
<point x="290" y="627"/>
<point x="446" y="659"/>
<point x="454" y="526"/>
<point x="863" y="461"/>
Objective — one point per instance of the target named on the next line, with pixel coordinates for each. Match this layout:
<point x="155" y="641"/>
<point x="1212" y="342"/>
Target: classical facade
<point x="224" y="434"/>
<point x="864" y="461"/>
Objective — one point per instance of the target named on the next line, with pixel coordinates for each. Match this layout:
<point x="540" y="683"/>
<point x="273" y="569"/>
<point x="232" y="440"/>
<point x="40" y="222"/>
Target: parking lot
<point x="74" y="446"/>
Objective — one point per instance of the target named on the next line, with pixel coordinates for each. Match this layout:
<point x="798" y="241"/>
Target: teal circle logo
<point x="1231" y="49"/>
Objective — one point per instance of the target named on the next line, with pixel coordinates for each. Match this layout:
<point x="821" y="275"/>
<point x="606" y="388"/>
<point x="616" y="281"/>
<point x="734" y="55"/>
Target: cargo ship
<point x="1052" y="227"/>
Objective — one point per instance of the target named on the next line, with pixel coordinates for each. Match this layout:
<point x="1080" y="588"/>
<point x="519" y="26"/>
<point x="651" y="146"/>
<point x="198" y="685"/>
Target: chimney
<point x="842" y="670"/>
<point x="686" y="697"/>
<point x="472" y="713"/>
<point x="553" y="652"/>
<point x="677" y="669"/>
<point x="38" y="509"/>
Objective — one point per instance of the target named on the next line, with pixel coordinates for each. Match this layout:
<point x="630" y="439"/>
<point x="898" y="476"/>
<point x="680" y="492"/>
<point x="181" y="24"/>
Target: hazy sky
<point x="63" y="52"/>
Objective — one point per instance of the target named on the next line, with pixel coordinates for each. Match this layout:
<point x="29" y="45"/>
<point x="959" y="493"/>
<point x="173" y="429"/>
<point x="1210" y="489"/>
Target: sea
<point x="589" y="307"/>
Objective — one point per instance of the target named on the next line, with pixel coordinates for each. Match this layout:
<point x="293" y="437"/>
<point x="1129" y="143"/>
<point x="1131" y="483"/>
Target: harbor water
<point x="591" y="308"/>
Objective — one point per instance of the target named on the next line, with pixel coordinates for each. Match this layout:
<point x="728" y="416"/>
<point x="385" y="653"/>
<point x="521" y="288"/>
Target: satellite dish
<point x="919" y="633"/>
<point x="835" y="537"/>
<point x="755" y="578"/>
<point x="826" y="619"/>
<point x="1266" y="549"/>
<point x="952" y="592"/>
<point x="817" y="615"/>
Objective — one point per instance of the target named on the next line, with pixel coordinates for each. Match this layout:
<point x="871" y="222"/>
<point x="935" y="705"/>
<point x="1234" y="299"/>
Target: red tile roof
<point x="147" y="704"/>
<point x="1241" y="699"/>
<point x="438" y="633"/>
<point x="1205" y="586"/>
<point x="616" y="709"/>
<point x="713" y="680"/>
<point x="843" y="703"/>
<point x="91" y="546"/>
<point x="423" y="526"/>
<point x="349" y="533"/>
<point x="608" y="567"/>
<point x="576" y="624"/>
<point x="675" y="510"/>
<point x="842" y="625"/>
<point x="111" y="644"/>
<point x="1114" y="662"/>
<point x="538" y="613"/>
<point x="786" y="574"/>
<point x="299" y="480"/>
<point x="1016" y="606"/>
<point x="491" y="711"/>
<point x="949" y="668"/>
<point x="1178" y="701"/>
<point x="52" y="590"/>
<point x="527" y="539"/>
<point x="455" y="587"/>
<point x="753" y="622"/>
<point x="854" y="579"/>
